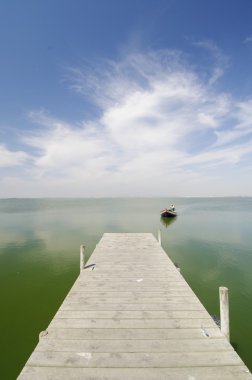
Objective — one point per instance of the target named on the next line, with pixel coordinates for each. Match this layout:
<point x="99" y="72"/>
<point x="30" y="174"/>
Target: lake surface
<point x="210" y="240"/>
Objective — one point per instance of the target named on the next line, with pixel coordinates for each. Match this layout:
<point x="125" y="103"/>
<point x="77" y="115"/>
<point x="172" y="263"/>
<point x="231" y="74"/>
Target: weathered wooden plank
<point x="132" y="272"/>
<point x="133" y="323"/>
<point x="89" y="274"/>
<point x="133" y="360"/>
<point x="130" y="281"/>
<point x="138" y="287"/>
<point x="191" y="373"/>
<point x="140" y="283"/>
<point x="130" y="267"/>
<point x="135" y="293"/>
<point x="133" y="299"/>
<point x="135" y="271"/>
<point x="163" y="314"/>
<point x="134" y="345"/>
<point x="170" y="306"/>
<point x="151" y="281"/>
<point x="139" y="258"/>
<point x="123" y="333"/>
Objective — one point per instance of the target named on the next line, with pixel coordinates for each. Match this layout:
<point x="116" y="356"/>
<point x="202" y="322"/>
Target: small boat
<point x="168" y="213"/>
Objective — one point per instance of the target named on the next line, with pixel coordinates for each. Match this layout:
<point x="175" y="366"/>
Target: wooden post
<point x="82" y="257"/>
<point x="42" y="334"/>
<point x="159" y="237"/>
<point x="224" y="311"/>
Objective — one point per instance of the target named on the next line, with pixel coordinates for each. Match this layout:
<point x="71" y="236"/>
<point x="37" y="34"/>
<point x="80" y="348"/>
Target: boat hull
<point x="168" y="214"/>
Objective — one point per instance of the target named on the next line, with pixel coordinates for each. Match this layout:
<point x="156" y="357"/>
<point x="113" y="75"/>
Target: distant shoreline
<point x="168" y="198"/>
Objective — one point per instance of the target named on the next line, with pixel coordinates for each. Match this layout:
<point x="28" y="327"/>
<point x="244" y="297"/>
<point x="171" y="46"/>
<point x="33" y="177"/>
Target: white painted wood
<point x="224" y="311"/>
<point x="82" y="257"/>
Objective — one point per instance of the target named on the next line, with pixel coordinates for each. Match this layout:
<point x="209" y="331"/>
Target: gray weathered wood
<point x="192" y="373"/>
<point x="134" y="345"/>
<point x="133" y="360"/>
<point x="131" y="316"/>
<point x="134" y="334"/>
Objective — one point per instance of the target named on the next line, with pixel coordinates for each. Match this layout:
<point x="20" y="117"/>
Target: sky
<point x="115" y="98"/>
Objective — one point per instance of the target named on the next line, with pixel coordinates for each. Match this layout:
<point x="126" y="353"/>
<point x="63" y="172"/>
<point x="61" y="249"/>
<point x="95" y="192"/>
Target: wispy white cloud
<point x="11" y="158"/>
<point x="240" y="127"/>
<point x="161" y="128"/>
<point x="220" y="61"/>
<point x="248" y="40"/>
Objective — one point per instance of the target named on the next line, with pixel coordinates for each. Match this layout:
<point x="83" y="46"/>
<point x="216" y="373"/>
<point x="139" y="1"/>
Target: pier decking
<point x="132" y="316"/>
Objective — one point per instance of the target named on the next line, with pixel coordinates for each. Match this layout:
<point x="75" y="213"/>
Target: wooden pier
<point x="131" y="316"/>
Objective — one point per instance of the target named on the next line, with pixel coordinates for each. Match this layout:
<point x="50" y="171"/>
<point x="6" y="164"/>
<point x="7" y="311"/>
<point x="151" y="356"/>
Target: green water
<point x="210" y="240"/>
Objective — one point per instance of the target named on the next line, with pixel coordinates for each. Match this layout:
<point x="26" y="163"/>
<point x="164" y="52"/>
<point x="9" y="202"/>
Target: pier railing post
<point x="224" y="311"/>
<point x="159" y="237"/>
<point x="82" y="257"/>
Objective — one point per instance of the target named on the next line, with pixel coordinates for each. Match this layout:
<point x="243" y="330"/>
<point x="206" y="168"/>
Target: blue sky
<point x="125" y="98"/>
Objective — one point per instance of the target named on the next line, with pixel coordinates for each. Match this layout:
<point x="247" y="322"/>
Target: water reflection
<point x="167" y="221"/>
